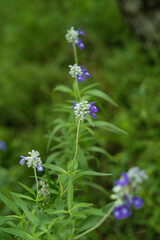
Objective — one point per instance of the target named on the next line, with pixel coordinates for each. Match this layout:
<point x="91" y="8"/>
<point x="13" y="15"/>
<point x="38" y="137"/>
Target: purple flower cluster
<point x="72" y="36"/>
<point x="83" y="108"/>
<point x="80" y="42"/>
<point x="124" y="193"/>
<point x="3" y="146"/>
<point x="124" y="210"/>
<point x="81" y="77"/>
<point x="33" y="160"/>
<point x="92" y="110"/>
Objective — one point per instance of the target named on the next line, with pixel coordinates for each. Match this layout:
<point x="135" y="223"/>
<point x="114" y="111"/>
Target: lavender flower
<point x="33" y="160"/>
<point x="78" y="72"/>
<point x="72" y="36"/>
<point x="3" y="146"/>
<point x="124" y="190"/>
<point x="123" y="180"/>
<point x="83" y="108"/>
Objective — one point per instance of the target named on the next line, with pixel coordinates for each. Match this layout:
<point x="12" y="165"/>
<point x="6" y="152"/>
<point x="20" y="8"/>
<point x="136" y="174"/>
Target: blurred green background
<point x="35" y="58"/>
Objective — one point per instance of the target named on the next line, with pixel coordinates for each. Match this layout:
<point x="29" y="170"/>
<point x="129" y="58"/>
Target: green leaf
<point x="91" y="173"/>
<point x="53" y="157"/>
<point x="17" y="232"/>
<point x="25" y="197"/>
<point x="54" y="167"/>
<point x="28" y="189"/>
<point x="83" y="90"/>
<point x="109" y="127"/>
<point x="5" y="219"/>
<point x="5" y="236"/>
<point x="94" y="185"/>
<point x="98" y="93"/>
<point x="70" y="193"/>
<point x="82" y="159"/>
<point x="22" y="204"/>
<point x="100" y="150"/>
<point x="63" y="88"/>
<point x="51" y="211"/>
<point x="82" y="205"/>
<point x="10" y="204"/>
<point x="94" y="212"/>
<point x="59" y="204"/>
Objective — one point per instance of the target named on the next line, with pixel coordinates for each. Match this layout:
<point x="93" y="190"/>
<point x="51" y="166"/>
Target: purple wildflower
<point x="80" y="44"/>
<point x="39" y="168"/>
<point x="80" y="78"/>
<point x="122" y="181"/>
<point x="137" y="202"/>
<point x="93" y="109"/>
<point x="83" y="108"/>
<point x="33" y="160"/>
<point x="117" y="213"/>
<point x="125" y="211"/>
<point x="80" y="32"/>
<point x="78" y="72"/>
<point x="3" y="146"/>
<point x="72" y="36"/>
<point x="22" y="162"/>
<point x="120" y="212"/>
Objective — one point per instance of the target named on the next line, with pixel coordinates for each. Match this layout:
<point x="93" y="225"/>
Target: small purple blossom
<point x="33" y="160"/>
<point x="137" y="202"/>
<point x="80" y="44"/>
<point x="72" y="36"/>
<point x="80" y="32"/>
<point x="22" y="162"/>
<point x="93" y="109"/>
<point x="122" y="181"/>
<point x="3" y="146"/>
<point x="83" y="108"/>
<point x="124" y="191"/>
<point x="81" y="77"/>
<point x="117" y="213"/>
<point x="39" y="168"/>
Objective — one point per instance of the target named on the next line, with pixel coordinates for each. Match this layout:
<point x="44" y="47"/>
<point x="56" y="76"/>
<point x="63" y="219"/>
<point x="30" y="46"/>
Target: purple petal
<point x="137" y="202"/>
<point x="80" y="78"/>
<point x="117" y="213"/>
<point x="123" y="180"/>
<point x="3" y="146"/>
<point x="74" y="105"/>
<point x="22" y="162"/>
<point x="39" y="168"/>
<point x="86" y="74"/>
<point x="80" y="44"/>
<point x="80" y="31"/>
<point x="125" y="211"/>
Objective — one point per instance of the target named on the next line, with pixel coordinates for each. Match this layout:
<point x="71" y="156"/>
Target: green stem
<point x="75" y="54"/>
<point x="97" y="225"/>
<point x="35" y="174"/>
<point x="73" y="229"/>
<point x="76" y="61"/>
<point x="76" y="149"/>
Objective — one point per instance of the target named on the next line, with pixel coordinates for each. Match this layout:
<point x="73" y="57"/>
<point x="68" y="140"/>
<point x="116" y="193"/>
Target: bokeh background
<point x="122" y="54"/>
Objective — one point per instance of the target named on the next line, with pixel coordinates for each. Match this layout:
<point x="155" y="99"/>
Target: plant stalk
<point x="76" y="149"/>
<point x="97" y="225"/>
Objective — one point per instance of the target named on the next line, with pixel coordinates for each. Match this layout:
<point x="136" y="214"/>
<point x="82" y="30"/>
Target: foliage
<point x="34" y="56"/>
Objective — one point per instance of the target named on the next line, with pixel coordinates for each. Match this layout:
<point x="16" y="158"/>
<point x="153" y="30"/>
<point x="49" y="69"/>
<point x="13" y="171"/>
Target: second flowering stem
<point x="76" y="148"/>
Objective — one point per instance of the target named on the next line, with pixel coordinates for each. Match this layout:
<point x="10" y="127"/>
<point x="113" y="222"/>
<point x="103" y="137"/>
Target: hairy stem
<point x="97" y="225"/>
<point x="76" y="149"/>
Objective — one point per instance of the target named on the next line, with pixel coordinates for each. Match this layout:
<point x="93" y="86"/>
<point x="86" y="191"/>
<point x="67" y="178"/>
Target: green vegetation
<point x="34" y="59"/>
